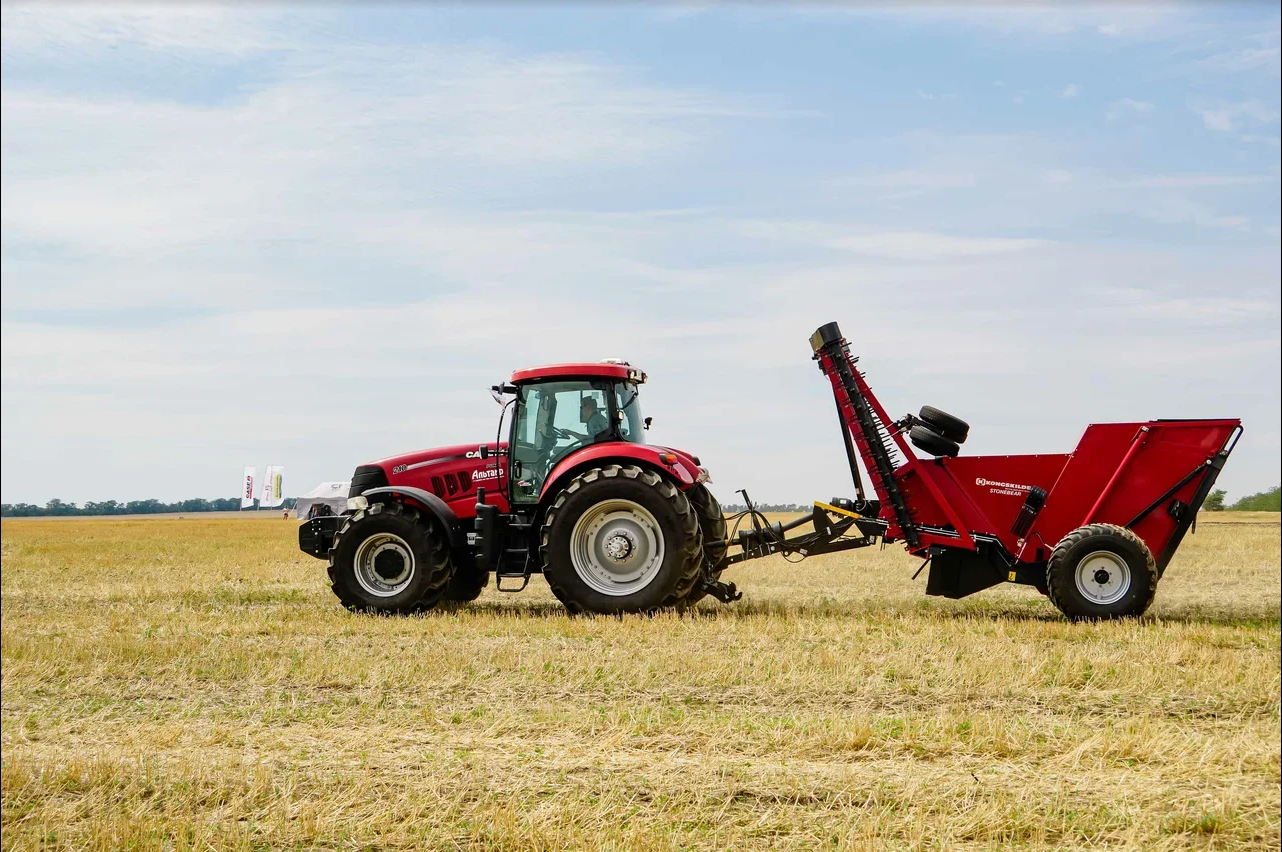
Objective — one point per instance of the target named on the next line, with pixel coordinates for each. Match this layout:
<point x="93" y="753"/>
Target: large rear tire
<point x="1100" y="572"/>
<point x="621" y="539"/>
<point x="389" y="558"/>
<point x="712" y="524"/>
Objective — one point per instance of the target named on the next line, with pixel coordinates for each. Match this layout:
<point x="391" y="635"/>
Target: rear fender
<point x="682" y="471"/>
<point x="425" y="500"/>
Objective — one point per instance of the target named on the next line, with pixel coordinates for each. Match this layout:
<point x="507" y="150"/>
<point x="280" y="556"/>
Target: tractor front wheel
<point x="621" y="539"/>
<point x="388" y="558"/>
<point x="466" y="585"/>
<point x="1101" y="571"/>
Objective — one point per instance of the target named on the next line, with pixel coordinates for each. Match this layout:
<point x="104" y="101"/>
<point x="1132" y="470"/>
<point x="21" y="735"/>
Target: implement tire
<point x="953" y="428"/>
<point x="389" y="558"/>
<point x="1100" y="572"/>
<point x="620" y="539"/>
<point x="925" y="438"/>
<point x="712" y="524"/>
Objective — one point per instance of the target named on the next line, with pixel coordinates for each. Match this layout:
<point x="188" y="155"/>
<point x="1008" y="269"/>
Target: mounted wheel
<point x="1101" y="571"/>
<point x="712" y="525"/>
<point x="388" y="558"/>
<point x="953" y="428"/>
<point x="621" y="539"/>
<point x="925" y="438"/>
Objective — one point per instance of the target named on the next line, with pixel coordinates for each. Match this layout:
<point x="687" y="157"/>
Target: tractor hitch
<point x="838" y="525"/>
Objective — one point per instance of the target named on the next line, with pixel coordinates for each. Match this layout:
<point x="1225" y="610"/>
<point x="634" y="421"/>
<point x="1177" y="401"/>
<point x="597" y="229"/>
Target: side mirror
<point x="647" y="423"/>
<point x="497" y="393"/>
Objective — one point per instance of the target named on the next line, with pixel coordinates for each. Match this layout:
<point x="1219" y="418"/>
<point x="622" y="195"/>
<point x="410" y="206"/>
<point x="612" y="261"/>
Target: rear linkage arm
<point x="829" y="536"/>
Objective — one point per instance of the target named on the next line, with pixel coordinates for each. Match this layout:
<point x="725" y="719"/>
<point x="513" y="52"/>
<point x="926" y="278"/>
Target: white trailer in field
<point x="331" y="494"/>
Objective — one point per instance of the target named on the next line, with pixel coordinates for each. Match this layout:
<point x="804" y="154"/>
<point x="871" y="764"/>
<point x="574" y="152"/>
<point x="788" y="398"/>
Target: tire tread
<point x="691" y="543"/>
<point x="1057" y="580"/>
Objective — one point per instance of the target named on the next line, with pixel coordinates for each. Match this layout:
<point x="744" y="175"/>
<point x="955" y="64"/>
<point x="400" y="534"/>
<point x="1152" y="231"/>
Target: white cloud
<point x="1196" y="181"/>
<point x="163" y="175"/>
<point x="1072" y="90"/>
<point x="1126" y="107"/>
<point x="1058" y="176"/>
<point x="920" y="246"/>
<point x="909" y="180"/>
<point x="56" y="30"/>
<point x="1223" y="117"/>
<point x="1038" y="21"/>
<point x="925" y="246"/>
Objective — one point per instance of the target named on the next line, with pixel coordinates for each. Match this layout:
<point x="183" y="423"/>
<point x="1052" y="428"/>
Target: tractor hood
<point x="420" y="459"/>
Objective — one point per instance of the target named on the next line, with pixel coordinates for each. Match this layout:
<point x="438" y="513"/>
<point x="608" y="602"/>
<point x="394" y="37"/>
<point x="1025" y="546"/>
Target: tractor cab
<point x="565" y="407"/>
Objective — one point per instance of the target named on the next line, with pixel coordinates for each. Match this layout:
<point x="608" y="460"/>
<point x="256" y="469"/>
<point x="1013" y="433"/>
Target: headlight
<point x="703" y="476"/>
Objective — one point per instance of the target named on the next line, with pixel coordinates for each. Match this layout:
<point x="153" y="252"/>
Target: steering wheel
<point x="564" y="433"/>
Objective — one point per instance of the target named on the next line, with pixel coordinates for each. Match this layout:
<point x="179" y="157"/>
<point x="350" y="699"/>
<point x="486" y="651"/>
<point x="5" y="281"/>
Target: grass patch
<point x="193" y="684"/>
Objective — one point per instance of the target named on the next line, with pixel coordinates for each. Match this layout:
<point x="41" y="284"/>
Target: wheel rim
<point x="1103" y="577"/>
<point x="384" y="565"/>
<point x="616" y="547"/>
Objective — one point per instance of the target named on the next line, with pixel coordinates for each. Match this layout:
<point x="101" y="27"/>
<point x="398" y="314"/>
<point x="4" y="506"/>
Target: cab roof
<point x="580" y="369"/>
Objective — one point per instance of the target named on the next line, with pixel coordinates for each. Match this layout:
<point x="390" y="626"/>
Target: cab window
<point x="552" y="420"/>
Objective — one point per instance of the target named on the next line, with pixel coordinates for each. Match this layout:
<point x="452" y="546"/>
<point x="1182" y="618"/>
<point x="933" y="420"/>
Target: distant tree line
<point x="57" y="508"/>
<point x="1269" y="500"/>
<point x="736" y="508"/>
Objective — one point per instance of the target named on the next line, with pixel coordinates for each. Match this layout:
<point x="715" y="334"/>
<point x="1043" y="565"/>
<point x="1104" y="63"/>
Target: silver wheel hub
<point x="616" y="547"/>
<point x="384" y="565"/>
<point x="1103" y="577"/>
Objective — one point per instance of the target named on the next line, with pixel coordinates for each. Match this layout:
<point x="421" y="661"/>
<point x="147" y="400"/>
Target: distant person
<point x="285" y="513"/>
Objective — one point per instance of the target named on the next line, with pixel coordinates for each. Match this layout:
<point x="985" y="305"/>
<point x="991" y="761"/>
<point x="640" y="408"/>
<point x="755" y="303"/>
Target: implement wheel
<point x="953" y="428"/>
<point x="1101" y="571"/>
<point x="925" y="438"/>
<point x="388" y="558"/>
<point x="621" y="539"/>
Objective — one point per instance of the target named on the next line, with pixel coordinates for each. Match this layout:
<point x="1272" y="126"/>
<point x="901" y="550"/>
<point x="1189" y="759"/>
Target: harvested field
<point x="192" y="684"/>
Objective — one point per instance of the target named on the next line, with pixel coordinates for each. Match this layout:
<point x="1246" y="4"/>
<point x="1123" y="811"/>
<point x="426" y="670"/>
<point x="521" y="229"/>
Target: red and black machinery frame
<point x="983" y="520"/>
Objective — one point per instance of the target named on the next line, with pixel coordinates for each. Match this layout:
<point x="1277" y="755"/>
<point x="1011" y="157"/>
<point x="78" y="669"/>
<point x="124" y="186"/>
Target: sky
<point x="313" y="236"/>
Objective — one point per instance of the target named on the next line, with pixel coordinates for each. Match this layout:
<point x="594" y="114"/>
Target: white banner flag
<point x="247" y="488"/>
<point x="273" y="486"/>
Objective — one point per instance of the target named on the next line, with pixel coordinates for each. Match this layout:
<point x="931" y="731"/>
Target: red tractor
<point x="617" y="526"/>
<point x="574" y="493"/>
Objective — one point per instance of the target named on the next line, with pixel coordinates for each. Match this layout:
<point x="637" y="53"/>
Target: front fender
<point x="681" y="470"/>
<point x="427" y="500"/>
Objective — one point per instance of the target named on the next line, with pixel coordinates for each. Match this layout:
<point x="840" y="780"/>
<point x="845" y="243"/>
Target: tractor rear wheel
<point x="621" y="539"/>
<point x="1101" y="571"/>
<point x="712" y="524"/>
<point x="388" y="558"/>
